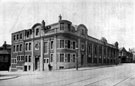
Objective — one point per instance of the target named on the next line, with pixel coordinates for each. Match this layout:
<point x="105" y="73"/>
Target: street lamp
<point x="77" y="59"/>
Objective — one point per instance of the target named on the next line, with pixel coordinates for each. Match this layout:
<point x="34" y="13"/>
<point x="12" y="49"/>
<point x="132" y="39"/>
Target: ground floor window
<point x="61" y="57"/>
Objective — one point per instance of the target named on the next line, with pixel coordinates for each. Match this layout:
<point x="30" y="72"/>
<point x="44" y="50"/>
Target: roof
<point x="4" y="52"/>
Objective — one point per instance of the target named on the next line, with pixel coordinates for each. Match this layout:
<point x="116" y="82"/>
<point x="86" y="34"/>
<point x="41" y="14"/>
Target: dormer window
<point x="82" y="32"/>
<point x="37" y="32"/>
<point x="69" y="27"/>
<point x="62" y="26"/>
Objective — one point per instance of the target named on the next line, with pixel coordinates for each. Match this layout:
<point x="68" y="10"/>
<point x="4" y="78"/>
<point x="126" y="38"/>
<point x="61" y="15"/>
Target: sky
<point x="112" y="19"/>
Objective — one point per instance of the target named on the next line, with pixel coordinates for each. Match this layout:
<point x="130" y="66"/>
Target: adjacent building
<point x="125" y="56"/>
<point x="5" y="56"/>
<point x="62" y="45"/>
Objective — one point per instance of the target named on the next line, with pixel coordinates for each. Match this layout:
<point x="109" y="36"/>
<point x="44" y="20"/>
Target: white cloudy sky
<point x="112" y="19"/>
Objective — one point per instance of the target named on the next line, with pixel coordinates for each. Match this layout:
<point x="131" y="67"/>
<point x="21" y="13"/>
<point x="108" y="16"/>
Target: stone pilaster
<point x="55" y="53"/>
<point x="41" y="55"/>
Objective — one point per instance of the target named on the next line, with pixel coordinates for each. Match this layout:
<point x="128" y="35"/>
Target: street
<point x="115" y="75"/>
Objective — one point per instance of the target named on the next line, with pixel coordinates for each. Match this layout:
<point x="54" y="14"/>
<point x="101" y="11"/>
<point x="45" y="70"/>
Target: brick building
<point x="62" y="45"/>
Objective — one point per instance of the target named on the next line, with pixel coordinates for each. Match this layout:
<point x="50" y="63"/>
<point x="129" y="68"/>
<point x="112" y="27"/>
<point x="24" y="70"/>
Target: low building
<point x="5" y="56"/>
<point x="125" y="56"/>
<point x="62" y="45"/>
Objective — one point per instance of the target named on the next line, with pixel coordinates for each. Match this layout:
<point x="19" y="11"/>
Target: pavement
<point x="5" y="75"/>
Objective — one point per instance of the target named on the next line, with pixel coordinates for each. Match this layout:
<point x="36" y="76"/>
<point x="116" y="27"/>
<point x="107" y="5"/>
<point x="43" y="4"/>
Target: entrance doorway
<point x="25" y="68"/>
<point x="37" y="63"/>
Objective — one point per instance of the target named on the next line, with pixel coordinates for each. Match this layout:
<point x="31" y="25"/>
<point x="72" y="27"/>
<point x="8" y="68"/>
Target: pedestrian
<point x="50" y="67"/>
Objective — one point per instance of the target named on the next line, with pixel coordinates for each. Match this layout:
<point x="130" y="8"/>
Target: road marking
<point x="123" y="80"/>
<point x="97" y="81"/>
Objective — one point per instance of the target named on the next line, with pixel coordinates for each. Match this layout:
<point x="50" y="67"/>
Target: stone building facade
<point x="62" y="45"/>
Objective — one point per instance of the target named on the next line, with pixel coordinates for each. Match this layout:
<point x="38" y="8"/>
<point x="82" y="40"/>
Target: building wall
<point x="61" y="45"/>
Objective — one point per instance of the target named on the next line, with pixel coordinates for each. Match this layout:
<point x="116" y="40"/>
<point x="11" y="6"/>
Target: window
<point x="14" y="37"/>
<point x="18" y="58"/>
<point x="51" y="59"/>
<point x="26" y="59"/>
<point x="29" y="46"/>
<point x="22" y="57"/>
<point x="45" y="47"/>
<point x="61" y="57"/>
<point x="82" y="32"/>
<point x="26" y="46"/>
<point x="68" y="59"/>
<point x="29" y="59"/>
<point x="73" y="57"/>
<point x="69" y="27"/>
<point x="68" y="43"/>
<point x="37" y="31"/>
<point x="20" y="47"/>
<point x="14" y="48"/>
<point x="95" y="50"/>
<point x="61" y="43"/>
<point x="17" y="48"/>
<point x="62" y="26"/>
<point x="27" y="34"/>
<point x="51" y="44"/>
<point x="82" y="46"/>
<point x="21" y="36"/>
<point x="47" y="60"/>
<point x="29" y="67"/>
<point x="17" y="36"/>
<point x="73" y="45"/>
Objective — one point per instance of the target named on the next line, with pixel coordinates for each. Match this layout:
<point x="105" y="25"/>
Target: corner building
<point x="62" y="45"/>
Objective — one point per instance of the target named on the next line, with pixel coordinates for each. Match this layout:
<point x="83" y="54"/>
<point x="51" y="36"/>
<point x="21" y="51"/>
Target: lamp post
<point x="77" y="59"/>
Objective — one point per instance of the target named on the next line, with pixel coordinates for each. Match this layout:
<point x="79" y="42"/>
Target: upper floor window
<point x="20" y="47"/>
<point x="82" y="46"/>
<point x="17" y="48"/>
<point x="14" y="37"/>
<point x="51" y="59"/>
<point x="37" y="31"/>
<point x="61" y="43"/>
<point x="14" y="48"/>
<point x="51" y="44"/>
<point x="61" y="57"/>
<point x="68" y="43"/>
<point x="26" y="59"/>
<point x="29" y="60"/>
<point x="26" y="46"/>
<point x="45" y="47"/>
<point x="62" y="26"/>
<point x="73" y="57"/>
<point x="73" y="45"/>
<point x="95" y="48"/>
<point x="69" y="27"/>
<point x="27" y="34"/>
<point x="68" y="59"/>
<point x="82" y="32"/>
<point x="29" y="46"/>
<point x="21" y="36"/>
<point x="17" y="36"/>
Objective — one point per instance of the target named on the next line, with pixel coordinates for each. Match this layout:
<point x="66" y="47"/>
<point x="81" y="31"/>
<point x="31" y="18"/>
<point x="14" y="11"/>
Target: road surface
<point x="120" y="75"/>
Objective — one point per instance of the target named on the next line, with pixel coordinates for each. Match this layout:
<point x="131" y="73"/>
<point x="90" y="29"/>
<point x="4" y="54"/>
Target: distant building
<point x="5" y="56"/>
<point x="62" y="45"/>
<point x="125" y="56"/>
